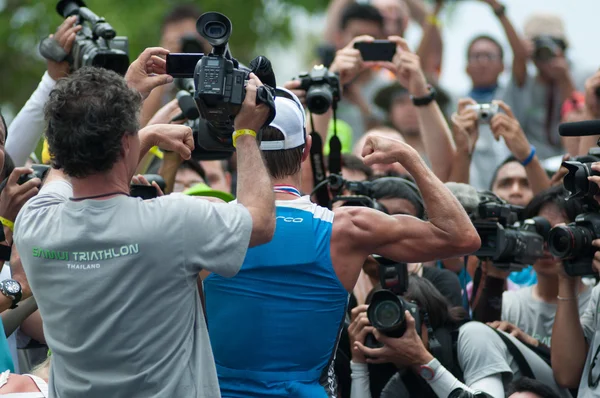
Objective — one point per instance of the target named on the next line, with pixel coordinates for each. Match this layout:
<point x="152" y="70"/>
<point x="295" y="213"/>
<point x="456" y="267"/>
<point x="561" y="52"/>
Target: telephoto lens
<point x="386" y="313"/>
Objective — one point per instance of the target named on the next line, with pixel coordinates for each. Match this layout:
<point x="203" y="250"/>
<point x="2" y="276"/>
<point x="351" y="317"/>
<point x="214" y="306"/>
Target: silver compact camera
<point x="485" y="112"/>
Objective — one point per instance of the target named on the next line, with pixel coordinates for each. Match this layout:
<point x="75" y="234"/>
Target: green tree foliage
<point x="23" y="23"/>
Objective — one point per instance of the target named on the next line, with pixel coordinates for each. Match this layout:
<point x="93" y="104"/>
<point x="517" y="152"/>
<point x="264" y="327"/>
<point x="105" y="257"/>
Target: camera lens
<point x="568" y="241"/>
<point x="215" y="29"/>
<point x="576" y="181"/>
<point x="387" y="314"/>
<point x="319" y="99"/>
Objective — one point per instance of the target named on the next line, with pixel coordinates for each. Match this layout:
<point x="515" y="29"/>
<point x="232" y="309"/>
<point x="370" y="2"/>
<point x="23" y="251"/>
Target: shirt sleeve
<point x="588" y="319"/>
<point x="27" y="127"/>
<point x="216" y="236"/>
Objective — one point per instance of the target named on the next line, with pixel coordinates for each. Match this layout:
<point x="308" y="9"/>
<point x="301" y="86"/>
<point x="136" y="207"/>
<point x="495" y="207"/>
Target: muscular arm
<point x="448" y="233"/>
<point x="568" y="357"/>
<point x="255" y="191"/>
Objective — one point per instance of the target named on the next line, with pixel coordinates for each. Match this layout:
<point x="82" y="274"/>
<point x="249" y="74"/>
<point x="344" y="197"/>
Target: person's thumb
<point x="373" y="158"/>
<point x="158" y="80"/>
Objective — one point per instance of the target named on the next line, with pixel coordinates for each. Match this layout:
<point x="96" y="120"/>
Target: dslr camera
<point x="39" y="171"/>
<point x="361" y="193"/>
<point x="387" y="306"/>
<point x="573" y="242"/>
<point x="546" y="48"/>
<point x="323" y="89"/>
<point x="219" y="83"/>
<point x="507" y="244"/>
<point x="485" y="112"/>
<point x="96" y="44"/>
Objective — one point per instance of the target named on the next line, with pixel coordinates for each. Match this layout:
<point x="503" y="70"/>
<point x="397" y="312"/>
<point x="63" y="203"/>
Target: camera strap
<point x="335" y="147"/>
<point x="317" y="163"/>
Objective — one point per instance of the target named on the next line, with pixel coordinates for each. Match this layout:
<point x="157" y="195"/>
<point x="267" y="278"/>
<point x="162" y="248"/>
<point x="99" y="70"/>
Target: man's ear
<point x="306" y="152"/>
<point x="125" y="146"/>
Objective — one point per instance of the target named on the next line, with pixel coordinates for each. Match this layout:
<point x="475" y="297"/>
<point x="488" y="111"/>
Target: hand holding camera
<point x="507" y="126"/>
<point x="148" y="71"/>
<point x="348" y="62"/>
<point x="65" y="37"/>
<point x="404" y="351"/>
<point x="465" y="125"/>
<point x="358" y="330"/>
<point x="592" y="94"/>
<point x="252" y="115"/>
<point x="16" y="192"/>
<point x="407" y="67"/>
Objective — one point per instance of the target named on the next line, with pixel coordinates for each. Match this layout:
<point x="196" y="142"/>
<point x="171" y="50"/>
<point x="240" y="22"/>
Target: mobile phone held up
<point x="377" y="50"/>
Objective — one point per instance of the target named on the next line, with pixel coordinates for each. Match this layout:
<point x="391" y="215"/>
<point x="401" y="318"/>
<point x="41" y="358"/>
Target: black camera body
<point x="546" y="48"/>
<point x="573" y="243"/>
<point x="387" y="306"/>
<point x="219" y="82"/>
<point x="96" y="44"/>
<point x="576" y="181"/>
<point x="508" y="245"/>
<point x="323" y="89"/>
<point x="362" y="193"/>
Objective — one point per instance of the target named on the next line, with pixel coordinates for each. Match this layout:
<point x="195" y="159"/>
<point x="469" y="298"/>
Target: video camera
<point x="362" y="192"/>
<point x="387" y="306"/>
<point x="96" y="44"/>
<point x="572" y="243"/>
<point x="323" y="89"/>
<point x="507" y="244"/>
<point x="219" y="83"/>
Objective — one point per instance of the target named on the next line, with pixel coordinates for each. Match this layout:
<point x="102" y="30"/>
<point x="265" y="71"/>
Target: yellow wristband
<point x="238" y="133"/>
<point x="433" y="20"/>
<point x="156" y="152"/>
<point x="8" y="223"/>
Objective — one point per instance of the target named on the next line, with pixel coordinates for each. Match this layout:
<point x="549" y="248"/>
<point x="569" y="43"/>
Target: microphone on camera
<point x="467" y="195"/>
<point x="262" y="68"/>
<point x="188" y="107"/>
<point x="579" y="129"/>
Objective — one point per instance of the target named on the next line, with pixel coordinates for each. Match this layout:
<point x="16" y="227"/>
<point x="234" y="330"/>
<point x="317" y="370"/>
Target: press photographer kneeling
<point x="437" y="353"/>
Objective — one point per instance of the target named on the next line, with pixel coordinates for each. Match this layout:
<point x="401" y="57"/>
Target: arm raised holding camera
<point x="507" y="126"/>
<point x="465" y="129"/>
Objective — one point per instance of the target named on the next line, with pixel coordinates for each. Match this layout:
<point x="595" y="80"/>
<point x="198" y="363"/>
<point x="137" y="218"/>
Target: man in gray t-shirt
<point x="115" y="277"/>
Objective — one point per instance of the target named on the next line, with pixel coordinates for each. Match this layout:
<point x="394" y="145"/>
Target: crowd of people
<point x="137" y="263"/>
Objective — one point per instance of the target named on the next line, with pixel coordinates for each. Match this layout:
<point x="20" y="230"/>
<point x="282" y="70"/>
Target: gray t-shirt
<point x="591" y="330"/>
<point x="530" y="105"/>
<point x="482" y="353"/>
<point x="533" y="316"/>
<point x="116" y="285"/>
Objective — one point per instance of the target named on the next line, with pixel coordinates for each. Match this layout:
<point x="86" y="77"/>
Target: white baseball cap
<point x="290" y="119"/>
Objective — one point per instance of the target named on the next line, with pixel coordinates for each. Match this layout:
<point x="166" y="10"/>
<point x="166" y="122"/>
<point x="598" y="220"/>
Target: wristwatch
<point x="11" y="289"/>
<point x="426" y="100"/>
<point x="426" y="372"/>
<point x="500" y="11"/>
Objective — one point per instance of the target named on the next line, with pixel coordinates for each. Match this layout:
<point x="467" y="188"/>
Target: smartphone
<point x="378" y="50"/>
<point x="182" y="65"/>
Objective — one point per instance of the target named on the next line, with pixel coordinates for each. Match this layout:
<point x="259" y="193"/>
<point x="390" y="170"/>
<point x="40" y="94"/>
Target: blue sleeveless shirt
<point x="274" y="327"/>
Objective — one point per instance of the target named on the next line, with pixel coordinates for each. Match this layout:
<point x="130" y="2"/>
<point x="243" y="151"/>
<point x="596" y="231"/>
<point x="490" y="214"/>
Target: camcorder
<point x="572" y="243"/>
<point x="510" y="245"/>
<point x="96" y="44"/>
<point x="485" y="112"/>
<point x="546" y="48"/>
<point x="219" y="86"/>
<point x="323" y="89"/>
<point x="361" y="193"/>
<point x="387" y="306"/>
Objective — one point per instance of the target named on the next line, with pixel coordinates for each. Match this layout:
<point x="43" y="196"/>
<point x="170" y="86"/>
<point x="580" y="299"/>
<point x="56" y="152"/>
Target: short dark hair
<point x="509" y="159"/>
<point x="195" y="166"/>
<point x="352" y="162"/>
<point x="428" y="298"/>
<point x="360" y="12"/>
<point x="180" y="12"/>
<point x="488" y="38"/>
<point x="398" y="188"/>
<point x="87" y="115"/>
<point x="4" y="125"/>
<point x="557" y="196"/>
<point x="284" y="162"/>
<point x="525" y="384"/>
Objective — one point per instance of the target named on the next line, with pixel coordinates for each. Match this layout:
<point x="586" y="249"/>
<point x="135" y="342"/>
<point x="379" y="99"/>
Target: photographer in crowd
<point x="482" y="365"/>
<point x="136" y="293"/>
<point x="316" y="274"/>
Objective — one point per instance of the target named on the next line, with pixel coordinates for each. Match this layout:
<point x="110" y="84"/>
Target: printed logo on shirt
<point x="86" y="256"/>
<point x="290" y="219"/>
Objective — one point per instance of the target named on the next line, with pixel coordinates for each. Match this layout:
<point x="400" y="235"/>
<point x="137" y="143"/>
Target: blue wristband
<point x="530" y="157"/>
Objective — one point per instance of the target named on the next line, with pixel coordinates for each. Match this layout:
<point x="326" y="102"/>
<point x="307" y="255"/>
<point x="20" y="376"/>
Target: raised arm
<point x="334" y="16"/>
<point x="448" y="232"/>
<point x="519" y="65"/>
<point x="507" y="126"/>
<point x="435" y="132"/>
<point x="466" y="132"/>
<point x="431" y="48"/>
<point x="254" y="187"/>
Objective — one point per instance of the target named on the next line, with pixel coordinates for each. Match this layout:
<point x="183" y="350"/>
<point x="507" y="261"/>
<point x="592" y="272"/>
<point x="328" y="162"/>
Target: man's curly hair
<point x="87" y="115"/>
